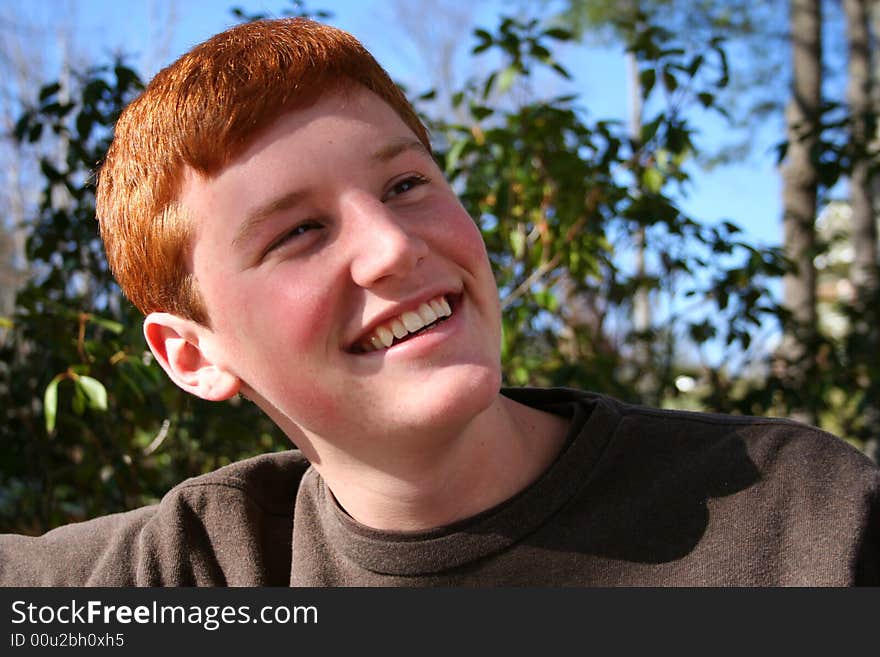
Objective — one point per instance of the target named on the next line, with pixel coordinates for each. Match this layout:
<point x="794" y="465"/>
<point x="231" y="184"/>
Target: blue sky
<point x="747" y="193"/>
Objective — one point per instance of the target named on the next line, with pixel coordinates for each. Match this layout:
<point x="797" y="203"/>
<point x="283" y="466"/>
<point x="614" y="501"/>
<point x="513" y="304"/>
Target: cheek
<point x="286" y="322"/>
<point x="462" y="239"/>
<point x="271" y="321"/>
<point x="281" y="347"/>
<point x="471" y="252"/>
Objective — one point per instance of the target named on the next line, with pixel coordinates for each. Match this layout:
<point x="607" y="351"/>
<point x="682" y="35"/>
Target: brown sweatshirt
<point x="638" y="497"/>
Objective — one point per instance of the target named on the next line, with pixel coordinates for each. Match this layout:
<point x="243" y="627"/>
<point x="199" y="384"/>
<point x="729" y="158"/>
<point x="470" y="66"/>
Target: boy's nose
<point x="383" y="244"/>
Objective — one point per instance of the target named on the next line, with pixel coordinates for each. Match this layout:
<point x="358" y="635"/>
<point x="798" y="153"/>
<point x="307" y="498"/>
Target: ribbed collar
<point x="444" y="548"/>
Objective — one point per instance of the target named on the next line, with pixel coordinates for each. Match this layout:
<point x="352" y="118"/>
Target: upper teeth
<point x="406" y="323"/>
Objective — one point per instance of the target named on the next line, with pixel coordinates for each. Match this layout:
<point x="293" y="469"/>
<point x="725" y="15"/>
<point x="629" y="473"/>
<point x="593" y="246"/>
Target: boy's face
<point x="332" y="224"/>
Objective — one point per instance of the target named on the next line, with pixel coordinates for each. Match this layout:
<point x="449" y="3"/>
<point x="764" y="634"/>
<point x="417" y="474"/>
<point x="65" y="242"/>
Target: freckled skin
<point x="280" y="322"/>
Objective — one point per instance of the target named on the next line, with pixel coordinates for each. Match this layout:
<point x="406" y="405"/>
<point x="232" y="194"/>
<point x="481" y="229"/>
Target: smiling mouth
<point x="405" y="326"/>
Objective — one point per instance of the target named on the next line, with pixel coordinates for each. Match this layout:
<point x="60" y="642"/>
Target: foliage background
<point x="581" y="221"/>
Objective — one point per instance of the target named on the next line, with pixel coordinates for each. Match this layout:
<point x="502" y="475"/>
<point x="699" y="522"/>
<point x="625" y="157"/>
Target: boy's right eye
<point x="293" y="234"/>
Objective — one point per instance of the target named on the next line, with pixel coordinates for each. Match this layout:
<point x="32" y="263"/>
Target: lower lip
<point x="424" y="342"/>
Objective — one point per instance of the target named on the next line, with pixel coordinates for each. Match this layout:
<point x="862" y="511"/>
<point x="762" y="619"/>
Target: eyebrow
<point x="256" y="217"/>
<point x="398" y="146"/>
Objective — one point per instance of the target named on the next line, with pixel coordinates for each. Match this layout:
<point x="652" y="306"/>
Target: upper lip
<point x="396" y="310"/>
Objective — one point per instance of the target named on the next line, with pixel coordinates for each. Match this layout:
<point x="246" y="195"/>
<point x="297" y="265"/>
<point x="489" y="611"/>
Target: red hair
<point x="200" y="113"/>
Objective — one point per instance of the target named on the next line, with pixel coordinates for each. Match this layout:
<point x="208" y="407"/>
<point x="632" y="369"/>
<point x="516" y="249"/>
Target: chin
<point x="456" y="398"/>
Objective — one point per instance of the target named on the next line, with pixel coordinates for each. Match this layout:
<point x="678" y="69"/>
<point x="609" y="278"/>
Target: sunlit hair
<point x="199" y="113"/>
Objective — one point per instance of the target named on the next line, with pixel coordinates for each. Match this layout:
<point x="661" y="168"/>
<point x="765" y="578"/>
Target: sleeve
<point x="231" y="527"/>
<point x="105" y="551"/>
<point x="209" y="531"/>
<point x="179" y="542"/>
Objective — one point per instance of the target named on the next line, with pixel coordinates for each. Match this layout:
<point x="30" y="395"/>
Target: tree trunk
<point x="864" y="228"/>
<point x="800" y="186"/>
<point x="646" y="381"/>
<point x="864" y="271"/>
<point x="641" y="303"/>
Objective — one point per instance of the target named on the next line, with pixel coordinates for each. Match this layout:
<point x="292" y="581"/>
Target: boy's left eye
<point x="407" y="184"/>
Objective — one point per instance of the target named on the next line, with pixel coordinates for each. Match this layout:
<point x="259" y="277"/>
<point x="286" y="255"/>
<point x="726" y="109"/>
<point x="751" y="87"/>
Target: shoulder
<point x="652" y="441"/>
<point x="772" y="444"/>
<point x="807" y="493"/>
<point x="269" y="481"/>
<point x="783" y="501"/>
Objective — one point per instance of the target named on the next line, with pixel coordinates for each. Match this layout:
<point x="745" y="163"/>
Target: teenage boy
<point x="271" y="203"/>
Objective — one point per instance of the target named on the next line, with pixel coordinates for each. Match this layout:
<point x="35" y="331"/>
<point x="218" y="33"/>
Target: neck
<point x="451" y="475"/>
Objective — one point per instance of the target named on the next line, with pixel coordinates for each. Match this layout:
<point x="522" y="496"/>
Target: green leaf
<point x="650" y="129"/>
<point x="695" y="65"/>
<point x="454" y="154"/>
<point x="647" y="79"/>
<point x="49" y="171"/>
<point x="50" y="403"/>
<point x="702" y="332"/>
<point x="96" y="393"/>
<point x="506" y="331"/>
<point x="546" y="299"/>
<point x="490" y="82"/>
<point x="652" y="179"/>
<point x="505" y="80"/>
<point x="706" y="99"/>
<point x="480" y="48"/>
<point x="483" y="35"/>
<point x="108" y="324"/>
<point x="35" y="132"/>
<point x="724" y="78"/>
<point x="559" y="34"/>
<point x="518" y="243"/>
<point x="561" y="70"/>
<point x="781" y="152"/>
<point x="731" y="227"/>
<point x="84" y="123"/>
<point x="22" y="126"/>
<point x="49" y="90"/>
<point x="540" y="53"/>
<point x="480" y="112"/>
<point x="78" y="403"/>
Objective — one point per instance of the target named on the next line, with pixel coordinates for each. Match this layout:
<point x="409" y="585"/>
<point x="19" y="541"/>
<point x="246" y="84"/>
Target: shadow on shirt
<point x="648" y="499"/>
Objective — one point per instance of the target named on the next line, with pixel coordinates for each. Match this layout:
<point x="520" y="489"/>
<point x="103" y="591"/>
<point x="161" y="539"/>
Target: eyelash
<point x="414" y="180"/>
<point x="296" y="231"/>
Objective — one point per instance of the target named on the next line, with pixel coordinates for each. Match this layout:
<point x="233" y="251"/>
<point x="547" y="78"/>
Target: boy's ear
<point x="176" y="343"/>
